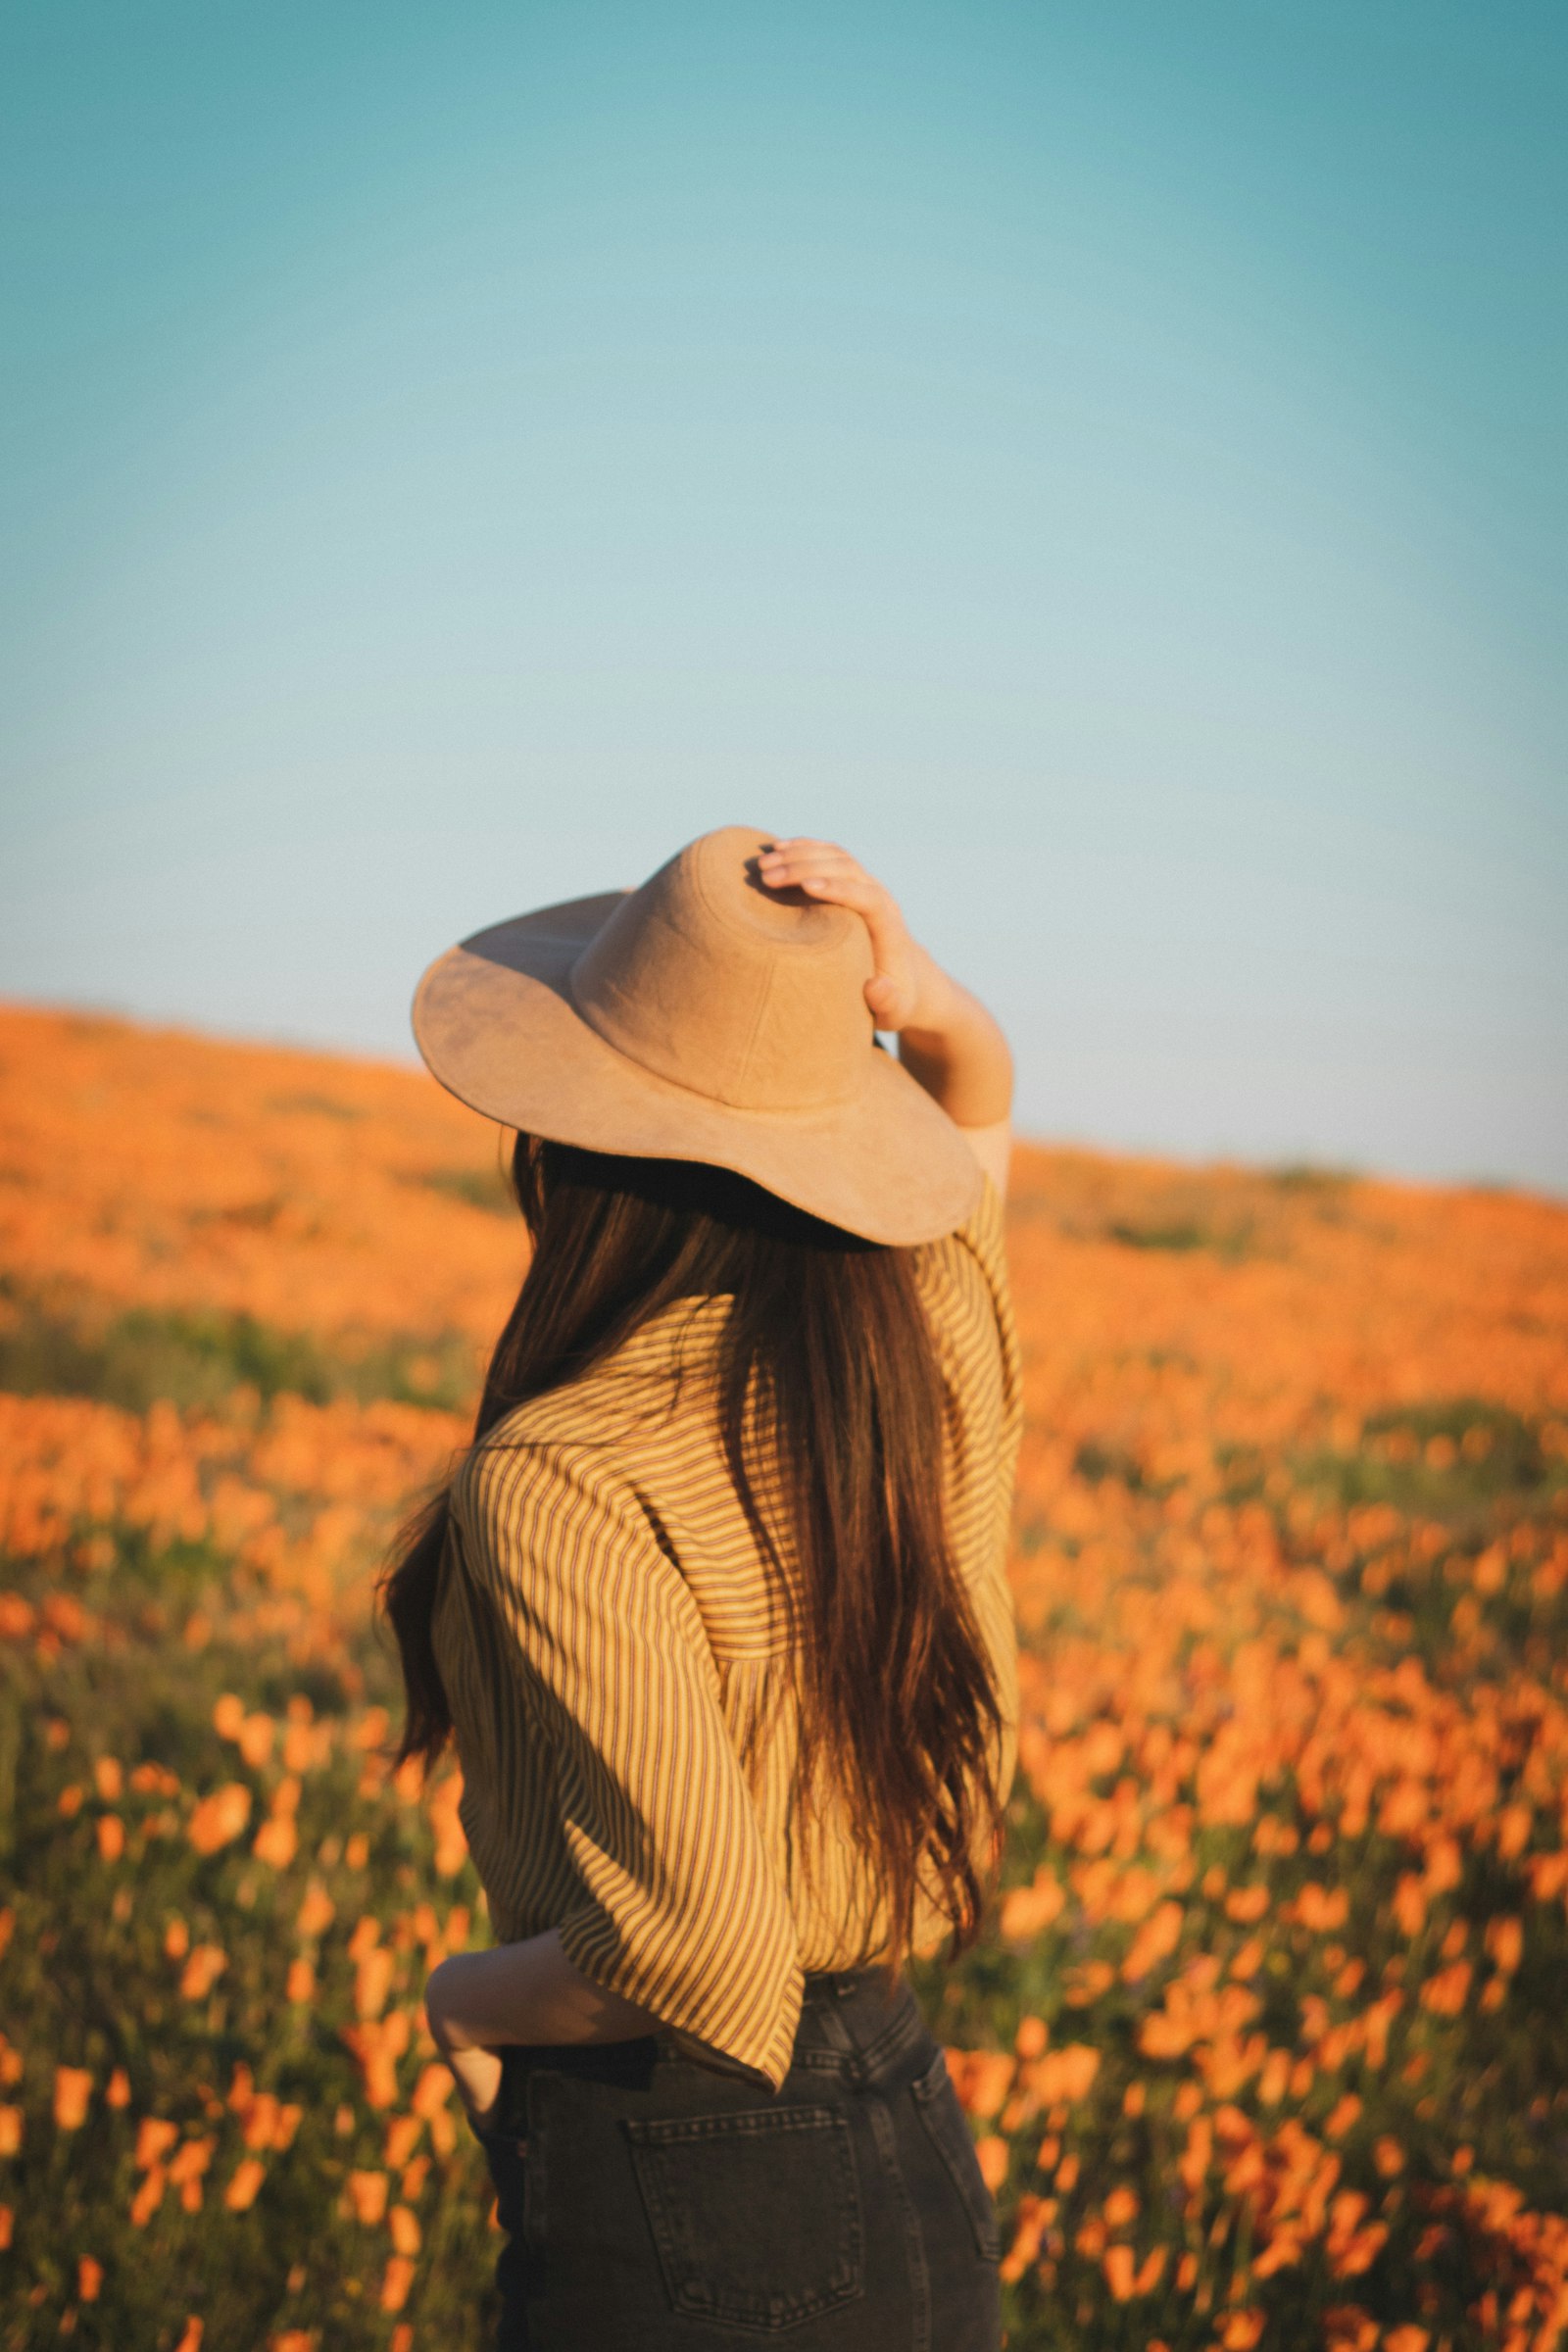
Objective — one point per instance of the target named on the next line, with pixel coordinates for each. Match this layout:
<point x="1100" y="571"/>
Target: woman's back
<point x="615" y="1645"/>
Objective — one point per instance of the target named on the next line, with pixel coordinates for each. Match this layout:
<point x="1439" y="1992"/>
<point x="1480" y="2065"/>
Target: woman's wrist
<point x="957" y="1051"/>
<point x="935" y="1010"/>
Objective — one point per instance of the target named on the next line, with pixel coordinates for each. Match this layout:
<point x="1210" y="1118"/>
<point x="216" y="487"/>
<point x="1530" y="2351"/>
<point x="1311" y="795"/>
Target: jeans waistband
<point x="848" y="2029"/>
<point x="855" y="2032"/>
<point x="839" y="1984"/>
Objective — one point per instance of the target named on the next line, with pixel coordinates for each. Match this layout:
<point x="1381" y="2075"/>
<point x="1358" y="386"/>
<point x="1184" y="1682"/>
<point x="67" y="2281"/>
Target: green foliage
<point x="89" y="1982"/>
<point x="1169" y="1237"/>
<point x="195" y="1360"/>
<point x="486" y="1188"/>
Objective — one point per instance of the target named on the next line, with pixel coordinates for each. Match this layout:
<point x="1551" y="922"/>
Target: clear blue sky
<point x="1103" y="464"/>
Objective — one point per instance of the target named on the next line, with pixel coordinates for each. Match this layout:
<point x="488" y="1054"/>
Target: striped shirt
<point x="612" y="1643"/>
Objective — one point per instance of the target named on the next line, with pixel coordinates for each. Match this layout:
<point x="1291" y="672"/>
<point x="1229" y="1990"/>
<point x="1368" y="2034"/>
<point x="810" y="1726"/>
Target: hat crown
<point x="751" y="997"/>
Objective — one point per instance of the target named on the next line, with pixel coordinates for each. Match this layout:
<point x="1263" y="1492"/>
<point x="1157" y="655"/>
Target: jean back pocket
<point x="936" y="2102"/>
<point x="755" y="2213"/>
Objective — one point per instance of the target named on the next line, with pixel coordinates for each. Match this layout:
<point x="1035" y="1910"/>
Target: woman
<point x="715" y="1608"/>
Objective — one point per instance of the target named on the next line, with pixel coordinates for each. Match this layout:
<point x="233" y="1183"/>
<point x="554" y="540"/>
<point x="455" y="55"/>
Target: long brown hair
<point x="827" y="1333"/>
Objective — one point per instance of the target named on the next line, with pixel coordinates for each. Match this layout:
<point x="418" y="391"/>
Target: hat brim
<point x="494" y="1020"/>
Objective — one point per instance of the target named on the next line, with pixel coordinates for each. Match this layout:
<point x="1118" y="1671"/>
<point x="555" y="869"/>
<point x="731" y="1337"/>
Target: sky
<point x="1102" y="465"/>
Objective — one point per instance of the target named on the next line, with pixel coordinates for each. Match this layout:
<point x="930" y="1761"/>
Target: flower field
<point x="1267" y="2042"/>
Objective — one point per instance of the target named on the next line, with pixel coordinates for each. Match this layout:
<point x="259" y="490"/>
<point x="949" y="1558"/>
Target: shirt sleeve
<point x="969" y="1287"/>
<point x="969" y="1293"/>
<point x="985" y="1240"/>
<point x="682" y="1910"/>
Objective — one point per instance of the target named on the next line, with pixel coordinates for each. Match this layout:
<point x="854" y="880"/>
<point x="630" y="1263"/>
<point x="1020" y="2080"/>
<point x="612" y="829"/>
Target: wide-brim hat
<point x="702" y="1016"/>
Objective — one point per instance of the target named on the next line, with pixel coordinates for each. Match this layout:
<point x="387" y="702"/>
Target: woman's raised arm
<point x="947" y="1039"/>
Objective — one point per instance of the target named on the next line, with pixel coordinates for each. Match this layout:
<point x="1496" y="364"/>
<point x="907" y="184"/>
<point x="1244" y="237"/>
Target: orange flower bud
<point x="73" y="2090"/>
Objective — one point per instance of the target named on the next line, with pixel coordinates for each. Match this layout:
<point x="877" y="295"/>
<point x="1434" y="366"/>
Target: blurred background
<point x="1102" y="465"/>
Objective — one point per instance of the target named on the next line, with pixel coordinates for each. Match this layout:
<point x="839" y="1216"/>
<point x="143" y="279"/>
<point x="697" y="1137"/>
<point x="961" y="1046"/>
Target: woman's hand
<point x="477" y="2003"/>
<point x="907" y="989"/>
<point x="947" y="1042"/>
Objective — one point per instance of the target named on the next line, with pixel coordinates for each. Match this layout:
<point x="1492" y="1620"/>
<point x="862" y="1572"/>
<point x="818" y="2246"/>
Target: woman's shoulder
<point x="972" y="1257"/>
<point x="626" y="1391"/>
<point x="965" y="1284"/>
<point x="536" y="1449"/>
<point x="534" y="1506"/>
<point x="589" y="1435"/>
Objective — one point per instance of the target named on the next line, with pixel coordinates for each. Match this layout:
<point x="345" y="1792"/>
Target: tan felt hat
<point x="702" y="1016"/>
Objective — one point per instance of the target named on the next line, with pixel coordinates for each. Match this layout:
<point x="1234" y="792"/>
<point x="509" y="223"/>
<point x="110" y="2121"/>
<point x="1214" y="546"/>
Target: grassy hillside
<point x="1267" y="2040"/>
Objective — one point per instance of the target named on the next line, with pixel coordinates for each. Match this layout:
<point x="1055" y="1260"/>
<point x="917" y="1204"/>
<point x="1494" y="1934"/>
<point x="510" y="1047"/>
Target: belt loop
<point x="851" y="2063"/>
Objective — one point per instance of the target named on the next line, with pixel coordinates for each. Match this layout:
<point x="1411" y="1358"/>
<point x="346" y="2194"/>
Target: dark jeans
<point x="654" y="2205"/>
